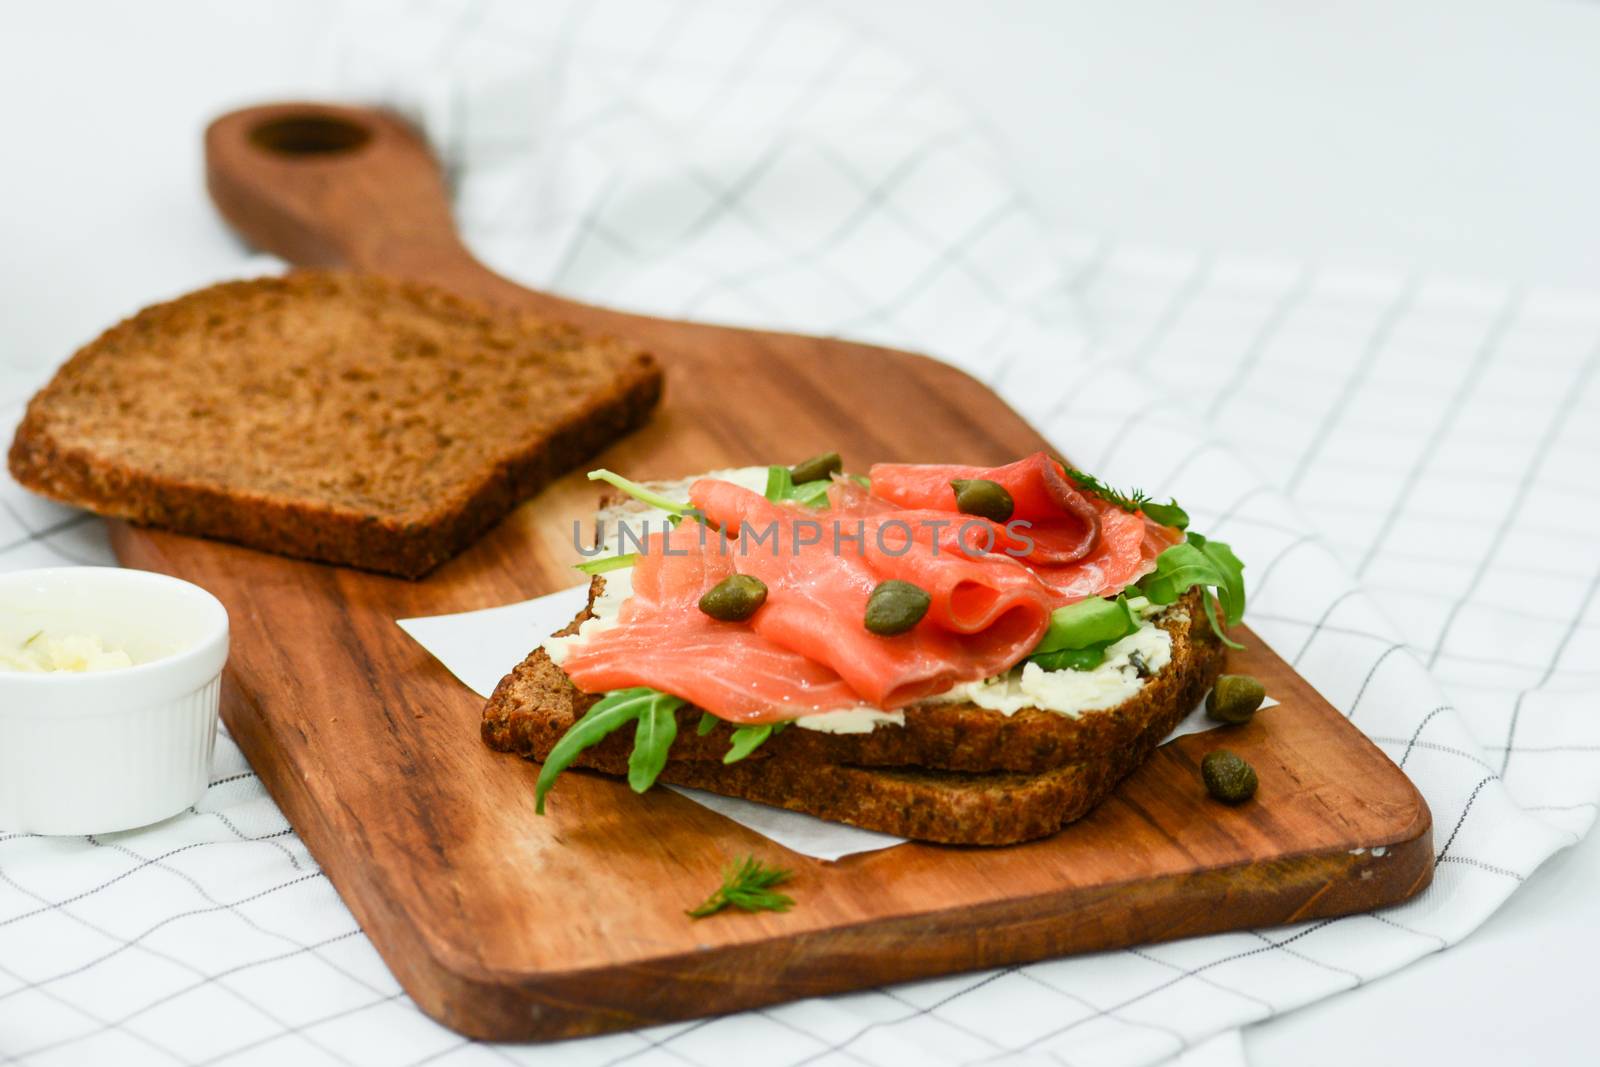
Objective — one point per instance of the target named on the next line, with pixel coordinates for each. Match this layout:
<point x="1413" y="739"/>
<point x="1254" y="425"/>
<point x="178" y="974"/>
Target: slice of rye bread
<point x="946" y="807"/>
<point x="338" y="417"/>
<point x="536" y="703"/>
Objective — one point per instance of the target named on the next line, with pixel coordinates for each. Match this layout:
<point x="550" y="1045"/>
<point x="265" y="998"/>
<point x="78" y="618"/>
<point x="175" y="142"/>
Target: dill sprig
<point x="747" y="885"/>
<point x="1132" y="500"/>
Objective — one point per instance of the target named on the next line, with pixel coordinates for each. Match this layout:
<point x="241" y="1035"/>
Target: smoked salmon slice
<point x="1063" y="522"/>
<point x="1129" y="545"/>
<point x="663" y="640"/>
<point x="991" y="589"/>
<point x="985" y="615"/>
<point x="1075" y="563"/>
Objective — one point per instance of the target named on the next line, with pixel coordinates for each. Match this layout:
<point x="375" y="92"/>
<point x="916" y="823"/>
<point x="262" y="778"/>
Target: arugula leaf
<point x="1209" y="602"/>
<point x="780" y="484"/>
<point x="1209" y="564"/>
<point x="610" y="713"/>
<point x="747" y="885"/>
<point x="1232" y="592"/>
<point x="609" y="563"/>
<point x="746" y="739"/>
<point x="639" y="492"/>
<point x="1177" y="570"/>
<point x="652" y="737"/>
<point x="781" y="487"/>
<point x="1168" y="514"/>
<point x="812" y="494"/>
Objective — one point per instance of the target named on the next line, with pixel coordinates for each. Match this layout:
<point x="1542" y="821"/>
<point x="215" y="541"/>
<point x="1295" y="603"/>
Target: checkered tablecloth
<point x="1405" y="463"/>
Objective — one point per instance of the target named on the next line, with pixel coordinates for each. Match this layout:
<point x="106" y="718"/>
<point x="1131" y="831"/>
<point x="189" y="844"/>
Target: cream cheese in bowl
<point x="41" y="653"/>
<point x="109" y="685"/>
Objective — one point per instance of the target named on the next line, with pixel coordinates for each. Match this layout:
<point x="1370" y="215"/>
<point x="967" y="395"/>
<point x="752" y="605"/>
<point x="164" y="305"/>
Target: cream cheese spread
<point x="861" y="719"/>
<point x="72" y="654"/>
<point x="617" y="587"/>
<point x="1070" y="692"/>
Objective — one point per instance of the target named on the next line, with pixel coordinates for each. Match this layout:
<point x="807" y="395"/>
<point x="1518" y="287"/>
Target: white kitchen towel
<point x="1405" y="464"/>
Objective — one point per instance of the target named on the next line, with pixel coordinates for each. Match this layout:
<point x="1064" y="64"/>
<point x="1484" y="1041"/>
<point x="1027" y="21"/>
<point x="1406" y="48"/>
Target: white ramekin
<point x="94" y="752"/>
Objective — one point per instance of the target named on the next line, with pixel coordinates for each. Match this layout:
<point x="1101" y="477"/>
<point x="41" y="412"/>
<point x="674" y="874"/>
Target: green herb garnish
<point x="652" y="737"/>
<point x="653" y="711"/>
<point x="609" y="563"/>
<point x="1133" y="500"/>
<point x="655" y="718"/>
<point x="747" y="885"/>
<point x="1196" y="561"/>
<point x="746" y="739"/>
<point x="1168" y="514"/>
<point x="781" y="486"/>
<point x="640" y="493"/>
<point x="1209" y="564"/>
<point x="36" y="635"/>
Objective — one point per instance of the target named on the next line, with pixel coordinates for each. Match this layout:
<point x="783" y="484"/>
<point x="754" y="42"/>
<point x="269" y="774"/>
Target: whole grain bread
<point x="923" y="780"/>
<point x="533" y="705"/>
<point x="945" y="807"/>
<point x="331" y="416"/>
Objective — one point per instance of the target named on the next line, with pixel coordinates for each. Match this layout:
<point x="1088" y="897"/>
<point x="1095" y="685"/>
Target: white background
<point x="1461" y="137"/>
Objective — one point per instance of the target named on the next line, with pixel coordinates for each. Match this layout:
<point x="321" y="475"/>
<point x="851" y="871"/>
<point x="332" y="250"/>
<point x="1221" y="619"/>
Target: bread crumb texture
<point x="334" y="416"/>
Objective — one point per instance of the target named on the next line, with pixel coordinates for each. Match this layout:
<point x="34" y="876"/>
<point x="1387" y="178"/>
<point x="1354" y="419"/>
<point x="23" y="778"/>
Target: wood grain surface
<point x="502" y="924"/>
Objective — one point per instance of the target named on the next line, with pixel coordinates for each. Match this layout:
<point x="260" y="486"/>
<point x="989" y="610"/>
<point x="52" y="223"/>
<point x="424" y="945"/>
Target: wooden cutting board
<point x="502" y="924"/>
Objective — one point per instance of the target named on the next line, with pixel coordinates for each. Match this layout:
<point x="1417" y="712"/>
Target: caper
<point x="895" y="607"/>
<point x="1235" y="698"/>
<point x="735" y="598"/>
<point x="816" y="468"/>
<point x="983" y="498"/>
<point x="1228" y="778"/>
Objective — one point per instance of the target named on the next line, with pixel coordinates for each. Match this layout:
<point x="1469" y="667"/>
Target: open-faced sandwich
<point x="948" y="653"/>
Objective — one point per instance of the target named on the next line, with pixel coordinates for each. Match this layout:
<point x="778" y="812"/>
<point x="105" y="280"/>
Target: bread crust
<point x="58" y="450"/>
<point x="946" y="807"/>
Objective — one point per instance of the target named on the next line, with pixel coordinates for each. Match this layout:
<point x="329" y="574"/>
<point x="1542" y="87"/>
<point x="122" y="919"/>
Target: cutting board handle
<point x="330" y="186"/>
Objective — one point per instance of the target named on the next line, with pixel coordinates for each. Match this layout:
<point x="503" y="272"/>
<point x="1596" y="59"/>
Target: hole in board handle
<point x="309" y="135"/>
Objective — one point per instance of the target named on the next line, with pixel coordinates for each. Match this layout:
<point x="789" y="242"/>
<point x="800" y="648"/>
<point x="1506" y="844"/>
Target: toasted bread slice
<point x="335" y="417"/>
<point x="922" y="780"/>
<point x="947" y="807"/>
<point x="535" y="703"/>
